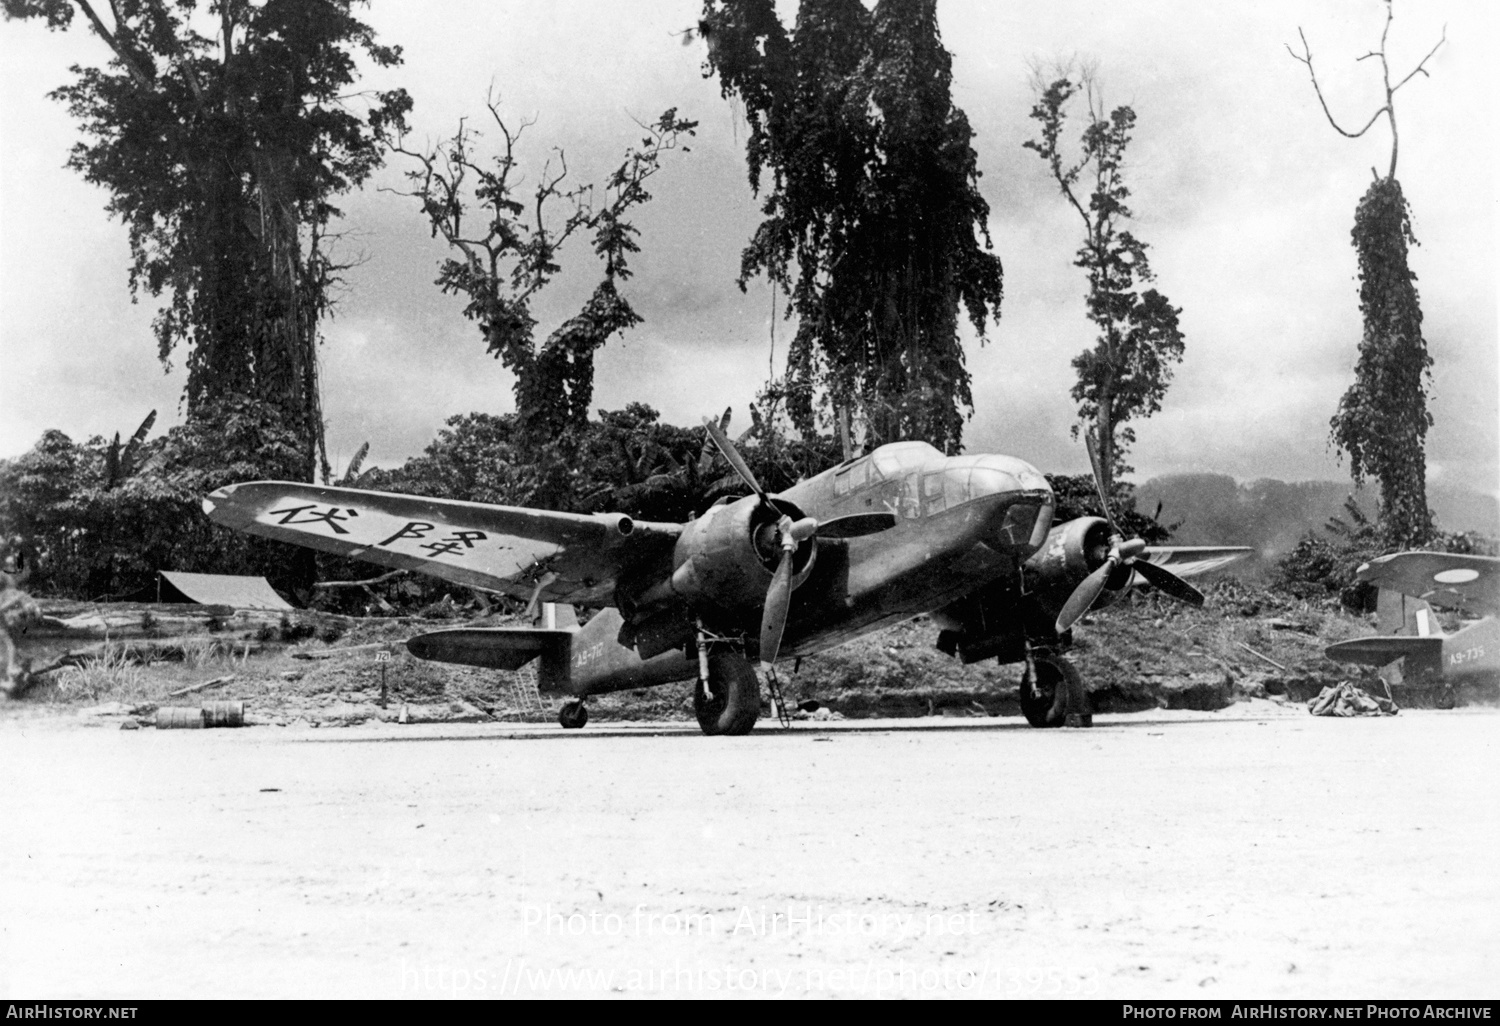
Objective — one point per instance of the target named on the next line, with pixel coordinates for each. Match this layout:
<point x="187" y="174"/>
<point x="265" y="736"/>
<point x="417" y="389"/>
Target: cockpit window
<point x="932" y="493"/>
<point x="945" y="489"/>
<point x="892" y="461"/>
<point x="852" y="479"/>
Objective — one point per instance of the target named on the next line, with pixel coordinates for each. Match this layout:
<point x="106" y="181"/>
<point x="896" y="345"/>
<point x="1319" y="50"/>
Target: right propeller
<point x="1121" y="553"/>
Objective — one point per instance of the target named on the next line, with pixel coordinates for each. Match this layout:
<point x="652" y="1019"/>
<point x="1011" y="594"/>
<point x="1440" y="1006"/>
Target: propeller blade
<point x="1098" y="469"/>
<point x="856" y="525"/>
<point x="1168" y="582"/>
<point x="1084" y="596"/>
<point x="732" y="454"/>
<point x="773" y="619"/>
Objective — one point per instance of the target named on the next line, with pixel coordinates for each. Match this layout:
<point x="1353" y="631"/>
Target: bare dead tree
<point x="1389" y="107"/>
<point x="506" y="245"/>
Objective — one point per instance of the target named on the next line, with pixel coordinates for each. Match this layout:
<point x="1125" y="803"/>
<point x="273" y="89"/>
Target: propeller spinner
<point x="1121" y="553"/>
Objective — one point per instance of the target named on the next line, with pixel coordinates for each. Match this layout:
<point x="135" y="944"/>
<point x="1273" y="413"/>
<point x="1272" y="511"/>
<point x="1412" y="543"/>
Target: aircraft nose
<point x="1024" y="503"/>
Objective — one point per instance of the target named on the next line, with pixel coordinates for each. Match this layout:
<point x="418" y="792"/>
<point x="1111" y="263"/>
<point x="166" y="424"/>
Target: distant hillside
<point x="1271" y="515"/>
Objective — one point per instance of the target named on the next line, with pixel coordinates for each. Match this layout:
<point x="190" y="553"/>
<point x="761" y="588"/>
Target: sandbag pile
<point x="1348" y="699"/>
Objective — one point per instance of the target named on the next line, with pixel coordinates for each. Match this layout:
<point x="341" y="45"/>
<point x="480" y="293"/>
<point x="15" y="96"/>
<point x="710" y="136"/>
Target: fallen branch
<point x="1267" y="658"/>
<point x="200" y="687"/>
<point x="329" y="585"/>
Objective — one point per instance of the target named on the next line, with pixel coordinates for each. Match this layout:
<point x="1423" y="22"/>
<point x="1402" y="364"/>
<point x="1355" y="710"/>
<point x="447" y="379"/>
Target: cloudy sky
<point x="1241" y="188"/>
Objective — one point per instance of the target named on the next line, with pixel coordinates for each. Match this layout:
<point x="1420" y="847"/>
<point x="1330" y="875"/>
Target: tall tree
<point x="1125" y="375"/>
<point x="873" y="216"/>
<point x="506" y="251"/>
<point x="1382" y="420"/>
<point x="222" y="154"/>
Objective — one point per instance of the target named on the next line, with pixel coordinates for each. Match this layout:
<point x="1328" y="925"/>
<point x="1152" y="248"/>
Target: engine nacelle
<point x="726" y="558"/>
<point x="1073" y="551"/>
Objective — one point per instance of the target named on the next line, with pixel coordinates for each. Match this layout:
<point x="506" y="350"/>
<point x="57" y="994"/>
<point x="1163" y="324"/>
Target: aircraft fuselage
<point x="960" y="523"/>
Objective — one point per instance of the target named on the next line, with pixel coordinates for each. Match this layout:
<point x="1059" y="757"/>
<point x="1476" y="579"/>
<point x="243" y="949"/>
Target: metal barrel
<point x="172" y="717"/>
<point x="224" y="714"/>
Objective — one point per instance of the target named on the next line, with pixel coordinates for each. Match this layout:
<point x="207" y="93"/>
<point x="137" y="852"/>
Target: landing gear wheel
<point x="735" y="703"/>
<point x="1056" y="696"/>
<point x="573" y="715"/>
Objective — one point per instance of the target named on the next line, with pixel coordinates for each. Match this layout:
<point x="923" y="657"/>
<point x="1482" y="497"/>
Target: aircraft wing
<point x="574" y="557"/>
<point x="1194" y="560"/>
<point x="1470" y="583"/>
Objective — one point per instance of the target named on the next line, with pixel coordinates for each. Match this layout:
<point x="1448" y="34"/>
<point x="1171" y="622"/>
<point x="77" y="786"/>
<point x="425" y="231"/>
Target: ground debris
<point x="1349" y="699"/>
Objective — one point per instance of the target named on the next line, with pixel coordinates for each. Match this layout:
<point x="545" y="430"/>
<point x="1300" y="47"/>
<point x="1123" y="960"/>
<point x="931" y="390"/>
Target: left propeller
<point x="790" y="534"/>
<point x="1121" y="553"/>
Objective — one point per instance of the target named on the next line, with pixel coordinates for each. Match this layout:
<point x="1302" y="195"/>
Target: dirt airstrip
<point x="1254" y="851"/>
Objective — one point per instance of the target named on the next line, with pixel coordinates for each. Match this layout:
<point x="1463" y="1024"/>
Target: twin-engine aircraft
<point x="1410" y="584"/>
<point x="899" y="532"/>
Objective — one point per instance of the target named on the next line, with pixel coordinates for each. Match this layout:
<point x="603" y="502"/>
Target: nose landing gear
<point x="1052" y="693"/>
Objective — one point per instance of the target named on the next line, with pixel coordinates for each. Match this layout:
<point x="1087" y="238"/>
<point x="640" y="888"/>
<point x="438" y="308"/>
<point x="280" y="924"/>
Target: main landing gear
<point x="726" y="697"/>
<point x="1052" y="693"/>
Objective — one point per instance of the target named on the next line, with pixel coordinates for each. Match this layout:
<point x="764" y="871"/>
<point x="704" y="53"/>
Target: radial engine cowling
<point x="725" y="559"/>
<point x="1073" y="551"/>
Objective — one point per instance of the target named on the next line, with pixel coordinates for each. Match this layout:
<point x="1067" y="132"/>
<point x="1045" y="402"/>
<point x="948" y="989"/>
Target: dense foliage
<point x="1125" y="375"/>
<point x="88" y="526"/>
<point x="1324" y="565"/>
<point x="1076" y="496"/>
<point x="222" y="155"/>
<point x="626" y="461"/>
<point x="873" y="215"/>
<point x="1382" y="419"/>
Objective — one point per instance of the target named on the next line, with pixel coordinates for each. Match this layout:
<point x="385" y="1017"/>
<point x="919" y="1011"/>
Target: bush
<point x="88" y="530"/>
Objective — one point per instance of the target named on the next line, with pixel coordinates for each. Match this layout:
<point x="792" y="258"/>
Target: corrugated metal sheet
<point x="224" y="590"/>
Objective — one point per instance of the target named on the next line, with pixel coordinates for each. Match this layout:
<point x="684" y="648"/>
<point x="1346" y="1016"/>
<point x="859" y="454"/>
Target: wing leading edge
<point x="1469" y="583"/>
<point x="559" y="557"/>
<point x="1194" y="560"/>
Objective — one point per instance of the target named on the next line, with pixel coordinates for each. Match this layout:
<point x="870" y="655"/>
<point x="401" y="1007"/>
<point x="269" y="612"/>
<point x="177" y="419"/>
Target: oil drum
<point x="224" y="714"/>
<point x="176" y="717"/>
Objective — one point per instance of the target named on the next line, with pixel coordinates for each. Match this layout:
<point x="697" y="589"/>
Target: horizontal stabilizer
<point x="498" y="648"/>
<point x="1379" y="651"/>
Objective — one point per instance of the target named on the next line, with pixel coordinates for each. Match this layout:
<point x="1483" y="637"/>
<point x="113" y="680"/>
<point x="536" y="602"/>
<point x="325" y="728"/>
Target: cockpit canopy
<point x="888" y="463"/>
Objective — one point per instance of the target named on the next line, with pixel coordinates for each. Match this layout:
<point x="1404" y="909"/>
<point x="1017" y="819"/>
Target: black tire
<point x="573" y="715"/>
<point x="1045" y="698"/>
<point x="735" y="705"/>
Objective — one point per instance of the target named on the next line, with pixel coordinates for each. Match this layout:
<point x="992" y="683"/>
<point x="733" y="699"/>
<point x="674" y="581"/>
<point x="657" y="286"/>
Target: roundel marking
<point x="1463" y="575"/>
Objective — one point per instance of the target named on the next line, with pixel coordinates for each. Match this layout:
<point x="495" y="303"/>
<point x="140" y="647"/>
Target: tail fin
<point x="557" y="616"/>
<point x="1402" y="616"/>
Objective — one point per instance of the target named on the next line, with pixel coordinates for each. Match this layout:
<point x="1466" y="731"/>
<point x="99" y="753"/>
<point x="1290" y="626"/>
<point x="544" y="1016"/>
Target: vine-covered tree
<point x="1382" y="420"/>
<point x="223" y="131"/>
<point x="873" y="216"/>
<point x="1125" y="375"/>
<point x="507" y="252"/>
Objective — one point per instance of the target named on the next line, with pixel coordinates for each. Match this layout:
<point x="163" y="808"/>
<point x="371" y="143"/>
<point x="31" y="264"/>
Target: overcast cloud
<point x="1241" y="188"/>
